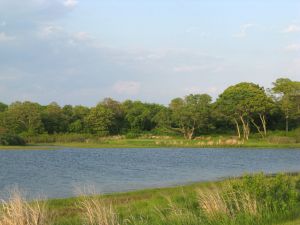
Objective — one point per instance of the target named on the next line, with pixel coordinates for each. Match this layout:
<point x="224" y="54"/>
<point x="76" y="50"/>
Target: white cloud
<point x="293" y="47"/>
<point x="198" y="90"/>
<point x="2" y="24"/>
<point x="127" y="87"/>
<point x="192" y="90"/>
<point x="49" y="30"/>
<point x="187" y="69"/>
<point x="243" y="30"/>
<point x="70" y="3"/>
<point x="4" y="37"/>
<point x="213" y="90"/>
<point x="82" y="36"/>
<point x="293" y="28"/>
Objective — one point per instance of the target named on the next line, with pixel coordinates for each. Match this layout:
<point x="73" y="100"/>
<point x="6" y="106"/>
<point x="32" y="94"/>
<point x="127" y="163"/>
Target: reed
<point x="96" y="212"/>
<point x="17" y="211"/>
<point x="216" y="202"/>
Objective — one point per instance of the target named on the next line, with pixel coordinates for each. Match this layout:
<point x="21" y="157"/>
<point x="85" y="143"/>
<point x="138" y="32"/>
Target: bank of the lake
<point x="156" y="143"/>
<point x="184" y="204"/>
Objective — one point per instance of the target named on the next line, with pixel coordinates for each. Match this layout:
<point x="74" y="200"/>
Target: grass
<point x="16" y="211"/>
<point x="165" y="142"/>
<point x="251" y="200"/>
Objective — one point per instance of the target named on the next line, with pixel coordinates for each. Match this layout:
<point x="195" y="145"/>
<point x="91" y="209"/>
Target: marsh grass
<point x="231" y="203"/>
<point x="250" y="200"/>
<point x="17" y="211"/>
<point x="95" y="211"/>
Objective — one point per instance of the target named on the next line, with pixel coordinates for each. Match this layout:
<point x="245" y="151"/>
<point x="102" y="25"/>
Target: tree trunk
<point x="189" y="133"/>
<point x="286" y="124"/>
<point x="246" y="129"/>
<point x="257" y="127"/>
<point x="264" y="123"/>
<point x="237" y="128"/>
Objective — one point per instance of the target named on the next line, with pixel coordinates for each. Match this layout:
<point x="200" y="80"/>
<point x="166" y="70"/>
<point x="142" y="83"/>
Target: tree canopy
<point x="245" y="107"/>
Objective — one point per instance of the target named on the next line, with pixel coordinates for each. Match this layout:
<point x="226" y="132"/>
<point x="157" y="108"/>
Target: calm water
<point x="55" y="174"/>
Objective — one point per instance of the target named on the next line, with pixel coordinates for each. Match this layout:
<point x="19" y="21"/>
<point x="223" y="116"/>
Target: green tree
<point x="287" y="94"/>
<point x="118" y="119"/>
<point x="23" y="117"/>
<point x="3" y="107"/>
<point x="246" y="103"/>
<point x="100" y="120"/>
<point x="140" y="116"/>
<point x="77" y="122"/>
<point x="191" y="114"/>
<point x="54" y="119"/>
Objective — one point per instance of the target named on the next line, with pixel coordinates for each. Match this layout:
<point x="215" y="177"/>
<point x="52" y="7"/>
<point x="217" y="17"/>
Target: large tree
<point x="3" y="107"/>
<point x="100" y="120"/>
<point x="191" y="114"/>
<point x="54" y="119"/>
<point x="246" y="103"/>
<point x="23" y="117"/>
<point x="140" y="116"/>
<point x="77" y="124"/>
<point x="287" y="94"/>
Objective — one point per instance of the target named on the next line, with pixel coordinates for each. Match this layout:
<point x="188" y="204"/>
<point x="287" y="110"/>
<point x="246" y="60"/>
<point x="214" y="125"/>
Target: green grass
<point x="275" y="200"/>
<point x="157" y="143"/>
<point x="168" y="206"/>
<point x="294" y="222"/>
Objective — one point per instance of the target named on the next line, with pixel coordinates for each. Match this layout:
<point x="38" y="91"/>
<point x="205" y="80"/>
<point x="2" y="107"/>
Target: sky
<point x="81" y="51"/>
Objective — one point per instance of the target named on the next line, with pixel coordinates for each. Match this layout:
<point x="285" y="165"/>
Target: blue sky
<point x="80" y="51"/>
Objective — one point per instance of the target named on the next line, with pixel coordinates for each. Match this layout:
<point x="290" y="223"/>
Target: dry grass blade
<point x="212" y="202"/>
<point x="96" y="212"/>
<point x="215" y="202"/>
<point x="17" y="211"/>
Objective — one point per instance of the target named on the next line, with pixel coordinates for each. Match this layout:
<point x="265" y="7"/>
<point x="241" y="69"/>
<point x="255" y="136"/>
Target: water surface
<point x="56" y="173"/>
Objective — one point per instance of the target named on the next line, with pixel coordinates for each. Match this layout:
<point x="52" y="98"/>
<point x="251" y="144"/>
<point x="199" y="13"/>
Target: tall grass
<point x="231" y="203"/>
<point x="17" y="211"/>
<point x="96" y="212"/>
<point x="251" y="200"/>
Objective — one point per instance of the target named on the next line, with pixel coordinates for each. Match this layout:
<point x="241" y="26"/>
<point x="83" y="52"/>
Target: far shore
<point x="152" y="143"/>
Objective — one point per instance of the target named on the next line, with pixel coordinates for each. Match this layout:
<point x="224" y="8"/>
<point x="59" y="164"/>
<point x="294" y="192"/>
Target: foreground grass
<point x="251" y="200"/>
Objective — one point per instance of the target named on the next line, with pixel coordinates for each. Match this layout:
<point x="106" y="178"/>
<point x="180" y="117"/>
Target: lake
<point x="57" y="173"/>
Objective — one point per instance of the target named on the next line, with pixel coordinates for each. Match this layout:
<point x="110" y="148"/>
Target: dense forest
<point x="242" y="109"/>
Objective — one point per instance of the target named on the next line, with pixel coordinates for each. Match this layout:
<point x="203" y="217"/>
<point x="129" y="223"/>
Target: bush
<point x="278" y="194"/>
<point x="9" y="139"/>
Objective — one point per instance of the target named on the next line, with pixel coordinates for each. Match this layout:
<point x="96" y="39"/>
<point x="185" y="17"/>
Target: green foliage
<point x="251" y="200"/>
<point x="100" y="120"/>
<point x="22" y="118"/>
<point x="287" y="96"/>
<point x="244" y="107"/>
<point x="9" y="139"/>
<point x="276" y="194"/>
<point x="3" y="107"/>
<point x="191" y="114"/>
<point x="54" y="119"/>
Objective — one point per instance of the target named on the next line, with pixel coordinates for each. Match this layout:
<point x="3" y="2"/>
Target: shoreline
<point x="78" y="145"/>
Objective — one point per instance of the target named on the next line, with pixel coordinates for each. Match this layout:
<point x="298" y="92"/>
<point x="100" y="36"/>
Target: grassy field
<point x="216" y="141"/>
<point x="156" y="143"/>
<point x="251" y="200"/>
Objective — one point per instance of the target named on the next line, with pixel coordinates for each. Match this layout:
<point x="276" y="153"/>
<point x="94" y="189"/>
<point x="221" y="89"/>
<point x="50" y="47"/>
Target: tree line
<point x="242" y="108"/>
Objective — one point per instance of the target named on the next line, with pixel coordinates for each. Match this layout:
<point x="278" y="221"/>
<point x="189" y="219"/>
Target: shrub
<point x="9" y="139"/>
<point x="277" y="193"/>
